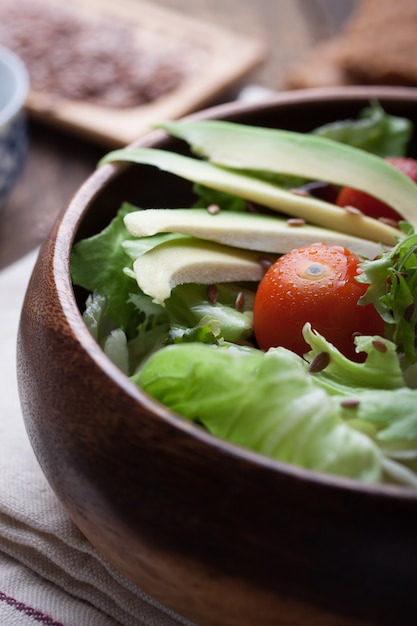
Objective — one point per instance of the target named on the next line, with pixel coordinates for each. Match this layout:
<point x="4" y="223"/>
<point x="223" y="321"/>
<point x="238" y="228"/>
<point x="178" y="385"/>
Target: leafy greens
<point x="197" y="353"/>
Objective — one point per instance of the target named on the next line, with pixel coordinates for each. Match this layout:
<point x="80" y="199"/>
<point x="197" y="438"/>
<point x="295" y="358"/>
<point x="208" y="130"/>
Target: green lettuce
<point x="96" y="265"/>
<point x="381" y="368"/>
<point x="125" y="321"/>
<point x="333" y="421"/>
<point x="392" y="280"/>
<point x="197" y="355"/>
<point x="281" y="412"/>
<point x="374" y="131"/>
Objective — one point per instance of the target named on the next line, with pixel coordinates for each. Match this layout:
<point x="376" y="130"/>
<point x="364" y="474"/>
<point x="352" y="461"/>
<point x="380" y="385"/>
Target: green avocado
<point x="244" y="147"/>
<point x="249" y="231"/>
<point x="190" y="260"/>
<point x="254" y="189"/>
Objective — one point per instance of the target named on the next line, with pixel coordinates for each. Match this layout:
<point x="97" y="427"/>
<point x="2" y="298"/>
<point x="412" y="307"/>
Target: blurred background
<point x="288" y="27"/>
<point x="103" y="72"/>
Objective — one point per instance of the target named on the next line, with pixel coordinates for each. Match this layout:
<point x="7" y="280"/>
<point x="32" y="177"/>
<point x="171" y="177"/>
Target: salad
<point x="278" y="312"/>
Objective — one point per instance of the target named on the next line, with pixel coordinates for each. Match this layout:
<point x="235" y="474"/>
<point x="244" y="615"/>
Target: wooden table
<point x="57" y="163"/>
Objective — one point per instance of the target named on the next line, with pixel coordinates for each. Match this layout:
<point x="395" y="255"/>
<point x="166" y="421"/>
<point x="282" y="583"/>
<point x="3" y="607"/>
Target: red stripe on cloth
<point x="38" y="616"/>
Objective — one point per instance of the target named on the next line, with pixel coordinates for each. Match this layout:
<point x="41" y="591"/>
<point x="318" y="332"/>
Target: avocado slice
<point x="252" y="148"/>
<point x="243" y="230"/>
<point x="272" y="196"/>
<point x="190" y="260"/>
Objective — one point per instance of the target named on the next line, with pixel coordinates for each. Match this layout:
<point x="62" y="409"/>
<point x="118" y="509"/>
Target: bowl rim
<point x="17" y="69"/>
<point x="67" y="227"/>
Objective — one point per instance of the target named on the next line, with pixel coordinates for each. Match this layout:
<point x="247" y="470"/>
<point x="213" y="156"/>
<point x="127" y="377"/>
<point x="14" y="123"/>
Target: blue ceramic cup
<point x="14" y="86"/>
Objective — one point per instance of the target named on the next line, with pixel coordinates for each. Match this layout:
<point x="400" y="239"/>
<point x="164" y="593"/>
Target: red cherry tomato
<point x="372" y="206"/>
<point x="313" y="284"/>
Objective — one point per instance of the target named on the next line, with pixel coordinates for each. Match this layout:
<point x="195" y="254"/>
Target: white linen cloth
<point x="49" y="573"/>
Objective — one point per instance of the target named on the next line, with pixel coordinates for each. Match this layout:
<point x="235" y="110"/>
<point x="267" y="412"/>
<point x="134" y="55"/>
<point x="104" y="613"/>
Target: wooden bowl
<point x="219" y="534"/>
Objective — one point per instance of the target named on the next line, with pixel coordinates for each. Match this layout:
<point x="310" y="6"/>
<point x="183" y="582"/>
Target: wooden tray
<point x="220" y="59"/>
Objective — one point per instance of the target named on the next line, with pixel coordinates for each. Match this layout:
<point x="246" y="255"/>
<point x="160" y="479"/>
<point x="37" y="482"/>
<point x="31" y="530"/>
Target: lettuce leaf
<point x="392" y="280"/>
<point x="265" y="402"/>
<point x="126" y="323"/>
<point x="189" y="306"/>
<point x="374" y="130"/>
<point x="354" y="419"/>
<point x="380" y="370"/>
<point x="96" y="264"/>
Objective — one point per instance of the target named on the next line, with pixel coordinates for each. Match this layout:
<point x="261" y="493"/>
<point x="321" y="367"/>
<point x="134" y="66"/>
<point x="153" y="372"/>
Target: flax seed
<point x="380" y="346"/>
<point x="296" y="221"/>
<point x="319" y="363"/>
<point x="240" y="301"/>
<point x="212" y="294"/>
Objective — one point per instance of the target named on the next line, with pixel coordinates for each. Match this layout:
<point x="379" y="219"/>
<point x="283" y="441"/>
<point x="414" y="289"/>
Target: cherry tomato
<point x="372" y="206"/>
<point x="313" y="284"/>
